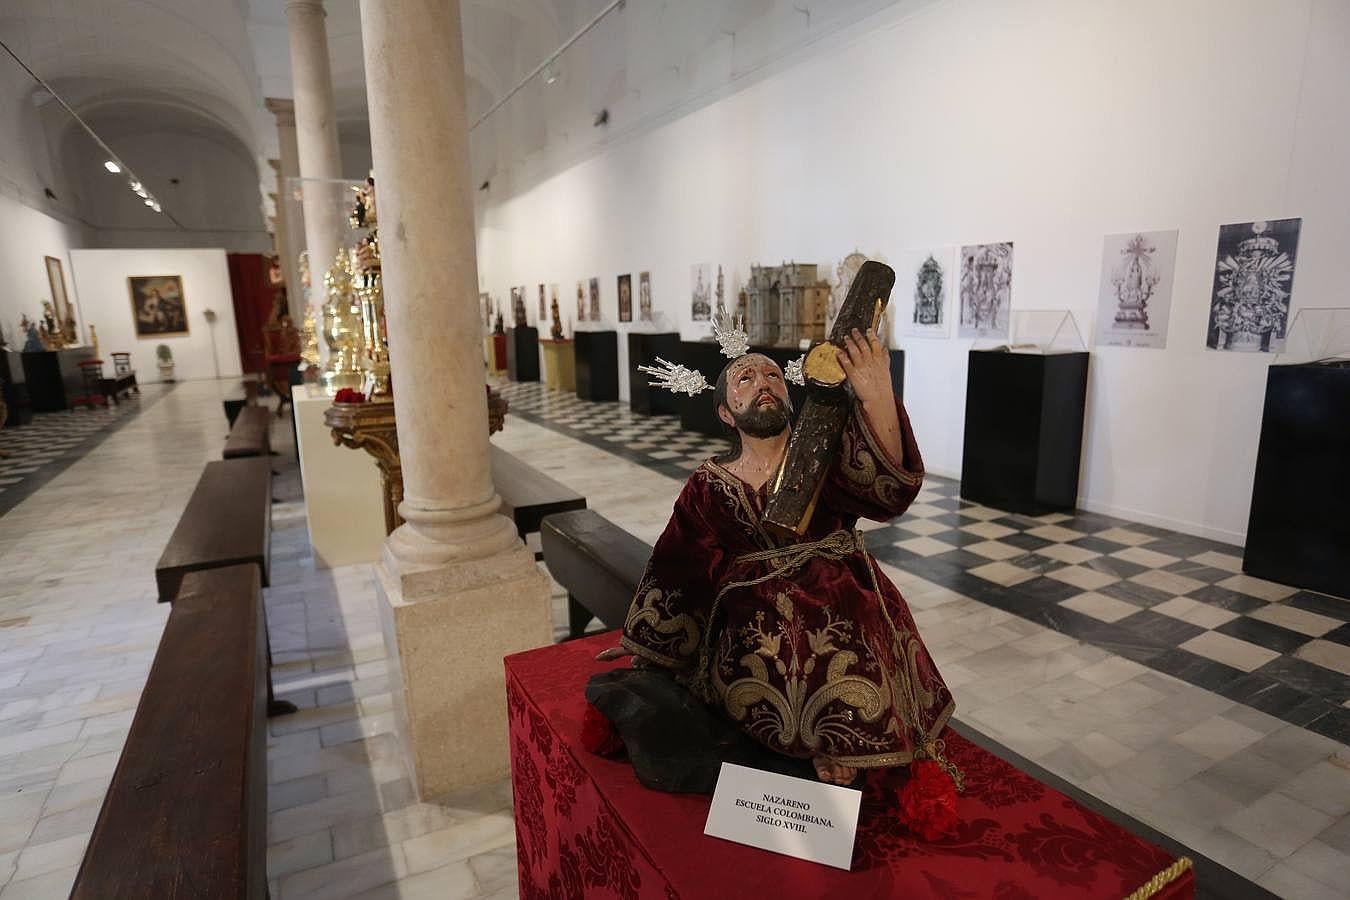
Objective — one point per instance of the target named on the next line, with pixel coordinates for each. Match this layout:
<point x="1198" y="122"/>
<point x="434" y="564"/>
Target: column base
<point x="446" y="632"/>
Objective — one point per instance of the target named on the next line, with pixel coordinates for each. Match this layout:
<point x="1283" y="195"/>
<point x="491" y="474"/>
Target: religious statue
<point x="518" y="307"/>
<point x="761" y="599"/>
<point x="50" y="331"/>
<point x="556" y="332"/>
<point x="32" y="338"/>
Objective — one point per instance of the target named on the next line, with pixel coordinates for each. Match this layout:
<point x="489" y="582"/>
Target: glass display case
<point x="1317" y="335"/>
<point x="1038" y="331"/>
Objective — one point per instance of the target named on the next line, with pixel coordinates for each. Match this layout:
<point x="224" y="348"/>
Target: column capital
<point x="283" y="108"/>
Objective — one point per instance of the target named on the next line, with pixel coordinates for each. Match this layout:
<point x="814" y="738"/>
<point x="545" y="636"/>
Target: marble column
<point x="289" y="167"/>
<point x="315" y="130"/>
<point x="458" y="588"/>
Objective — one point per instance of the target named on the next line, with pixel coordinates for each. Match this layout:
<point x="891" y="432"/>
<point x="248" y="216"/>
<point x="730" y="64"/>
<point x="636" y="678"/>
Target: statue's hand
<point x="868" y="367"/>
<point x="612" y="653"/>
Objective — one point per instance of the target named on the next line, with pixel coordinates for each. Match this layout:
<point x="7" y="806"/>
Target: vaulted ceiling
<point x="213" y="61"/>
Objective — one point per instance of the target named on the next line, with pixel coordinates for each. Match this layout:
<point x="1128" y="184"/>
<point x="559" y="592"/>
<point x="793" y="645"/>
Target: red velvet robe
<point x="808" y="663"/>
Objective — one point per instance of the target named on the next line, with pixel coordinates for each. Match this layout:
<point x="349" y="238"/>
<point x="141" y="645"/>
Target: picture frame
<point x="158" y="306"/>
<point x="56" y="279"/>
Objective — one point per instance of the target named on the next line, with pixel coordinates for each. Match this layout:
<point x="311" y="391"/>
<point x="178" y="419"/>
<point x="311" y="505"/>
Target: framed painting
<point x="56" y="279"/>
<point x="157" y="305"/>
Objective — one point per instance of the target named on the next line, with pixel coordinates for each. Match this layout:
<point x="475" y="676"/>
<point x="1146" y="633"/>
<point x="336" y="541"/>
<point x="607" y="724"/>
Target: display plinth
<point x="1024" y="430"/>
<point x="1298" y="533"/>
<point x="53" y="377"/>
<point x="522" y="353"/>
<point x="586" y="828"/>
<point x="643" y="349"/>
<point x="494" y="351"/>
<point x="344" y="503"/>
<point x="597" y="354"/>
<point x="560" y="367"/>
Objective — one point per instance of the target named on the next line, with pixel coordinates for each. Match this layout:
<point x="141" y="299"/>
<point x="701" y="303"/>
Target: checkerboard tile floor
<point x="1175" y="603"/>
<point x="32" y="454"/>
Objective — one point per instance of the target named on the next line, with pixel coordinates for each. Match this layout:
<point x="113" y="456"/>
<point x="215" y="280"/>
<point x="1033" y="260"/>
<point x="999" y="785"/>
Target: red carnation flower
<point x="348" y="395"/>
<point x="598" y="734"/>
<point x="928" y="801"/>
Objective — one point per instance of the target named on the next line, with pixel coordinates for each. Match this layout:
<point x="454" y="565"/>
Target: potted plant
<point x="165" y="362"/>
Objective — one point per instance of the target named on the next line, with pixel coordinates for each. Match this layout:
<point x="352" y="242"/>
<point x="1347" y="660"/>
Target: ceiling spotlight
<point x="149" y="202"/>
<point x="601" y="118"/>
<point x="112" y="167"/>
<point x="155" y="207"/>
<point x="551" y="73"/>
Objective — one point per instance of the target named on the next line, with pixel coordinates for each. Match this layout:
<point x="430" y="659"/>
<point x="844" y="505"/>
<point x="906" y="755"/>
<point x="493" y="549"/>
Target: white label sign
<point x="806" y="819"/>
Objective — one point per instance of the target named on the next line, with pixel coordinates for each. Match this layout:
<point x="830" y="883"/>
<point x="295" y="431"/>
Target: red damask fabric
<point x="586" y="828"/>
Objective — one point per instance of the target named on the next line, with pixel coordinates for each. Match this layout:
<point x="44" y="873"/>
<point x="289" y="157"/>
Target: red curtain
<point x="253" y="299"/>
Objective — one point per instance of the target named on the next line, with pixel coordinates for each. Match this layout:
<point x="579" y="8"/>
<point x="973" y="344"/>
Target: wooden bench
<point x="186" y="813"/>
<point x="598" y="563"/>
<point x="249" y="436"/>
<point x="528" y="495"/>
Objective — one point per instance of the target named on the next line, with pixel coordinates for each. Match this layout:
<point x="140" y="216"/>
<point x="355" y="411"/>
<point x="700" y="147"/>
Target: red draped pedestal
<point x="586" y="828"/>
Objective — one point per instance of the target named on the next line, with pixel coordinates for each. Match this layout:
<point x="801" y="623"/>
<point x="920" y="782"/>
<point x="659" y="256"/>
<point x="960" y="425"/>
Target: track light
<point x="112" y="167"/>
<point x="550" y="73"/>
<point x="149" y="202"/>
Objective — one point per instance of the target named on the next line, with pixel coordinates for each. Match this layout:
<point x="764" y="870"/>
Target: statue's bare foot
<point x="829" y="771"/>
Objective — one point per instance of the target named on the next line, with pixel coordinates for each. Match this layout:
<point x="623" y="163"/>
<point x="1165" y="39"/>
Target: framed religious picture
<point x="157" y="305"/>
<point x="924" y="288"/>
<point x="581" y="301"/>
<point x="645" y="296"/>
<point x="626" y="298"/>
<point x="595" y="300"/>
<point x="57" y="281"/>
<point x="1134" y="297"/>
<point x="1253" y="285"/>
<point x="543" y="312"/>
<point x="986" y="290"/>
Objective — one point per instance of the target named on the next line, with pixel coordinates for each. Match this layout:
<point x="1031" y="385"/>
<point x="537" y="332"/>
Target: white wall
<point x="1046" y="122"/>
<point x="102" y="276"/>
<point x="26" y="237"/>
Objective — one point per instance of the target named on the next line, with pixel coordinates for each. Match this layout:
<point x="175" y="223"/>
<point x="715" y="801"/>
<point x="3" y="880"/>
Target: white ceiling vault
<point x="212" y="62"/>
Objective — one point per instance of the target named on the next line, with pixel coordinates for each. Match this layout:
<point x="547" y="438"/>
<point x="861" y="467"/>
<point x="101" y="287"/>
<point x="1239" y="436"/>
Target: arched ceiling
<point x="218" y="60"/>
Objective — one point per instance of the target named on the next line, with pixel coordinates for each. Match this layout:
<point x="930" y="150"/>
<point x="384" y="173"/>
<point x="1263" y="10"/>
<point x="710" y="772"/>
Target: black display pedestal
<point x="698" y="414"/>
<point x="14" y="392"/>
<point x="643" y="349"/>
<point x="1024" y="430"/>
<point x="1298" y="533"/>
<point x="53" y="377"/>
<point x="597" y="365"/>
<point x="522" y="353"/>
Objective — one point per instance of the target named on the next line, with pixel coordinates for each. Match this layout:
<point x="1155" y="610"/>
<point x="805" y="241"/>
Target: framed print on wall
<point x="157" y="305"/>
<point x="57" y="281"/>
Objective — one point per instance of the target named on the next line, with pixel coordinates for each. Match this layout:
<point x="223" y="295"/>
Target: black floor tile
<point x="948" y="503"/>
<point x="1230" y="600"/>
<point x="1322" y="604"/>
<point x="1047" y="590"/>
<point x="1340" y="636"/>
<point x="1263" y="634"/>
<point x="1198" y="571"/>
<point x="963" y="558"/>
<point x="1025" y="541"/>
<point x="1308" y="711"/>
<point x="1335" y="725"/>
<point x="1164" y="629"/>
<point x="1017" y="522"/>
<point x="1112" y="566"/>
<point x="1035" y="562"/>
<point x="1196" y="670"/>
<point x="1139" y="594"/>
<point x="1307" y="677"/>
<point x="1263" y="693"/>
<point x="1096" y="545"/>
<point x="950" y="519"/>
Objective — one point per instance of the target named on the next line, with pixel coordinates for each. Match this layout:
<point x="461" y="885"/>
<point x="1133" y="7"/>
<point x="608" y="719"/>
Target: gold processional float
<point x="357" y="374"/>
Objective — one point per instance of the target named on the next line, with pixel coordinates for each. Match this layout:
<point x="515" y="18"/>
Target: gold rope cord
<point x="1155" y="884"/>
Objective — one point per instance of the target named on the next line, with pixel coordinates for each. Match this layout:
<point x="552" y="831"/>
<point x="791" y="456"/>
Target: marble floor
<point x="78" y="628"/>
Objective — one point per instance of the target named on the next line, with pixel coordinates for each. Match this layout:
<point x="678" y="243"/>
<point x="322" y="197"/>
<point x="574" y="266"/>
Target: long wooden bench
<point x="227" y="521"/>
<point x="598" y="563"/>
<point x="528" y="495"/>
<point x="186" y="813"/>
<point x="249" y="436"/>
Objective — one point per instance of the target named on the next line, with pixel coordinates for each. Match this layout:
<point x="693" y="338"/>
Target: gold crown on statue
<point x="731" y="334"/>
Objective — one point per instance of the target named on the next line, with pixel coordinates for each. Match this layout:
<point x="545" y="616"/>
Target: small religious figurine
<point x="68" y="331"/>
<point x="518" y="308"/>
<point x="498" y="326"/>
<point x="93" y="340"/>
<point x="556" y="332"/>
<point x="32" y="339"/>
<point x="771" y="610"/>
